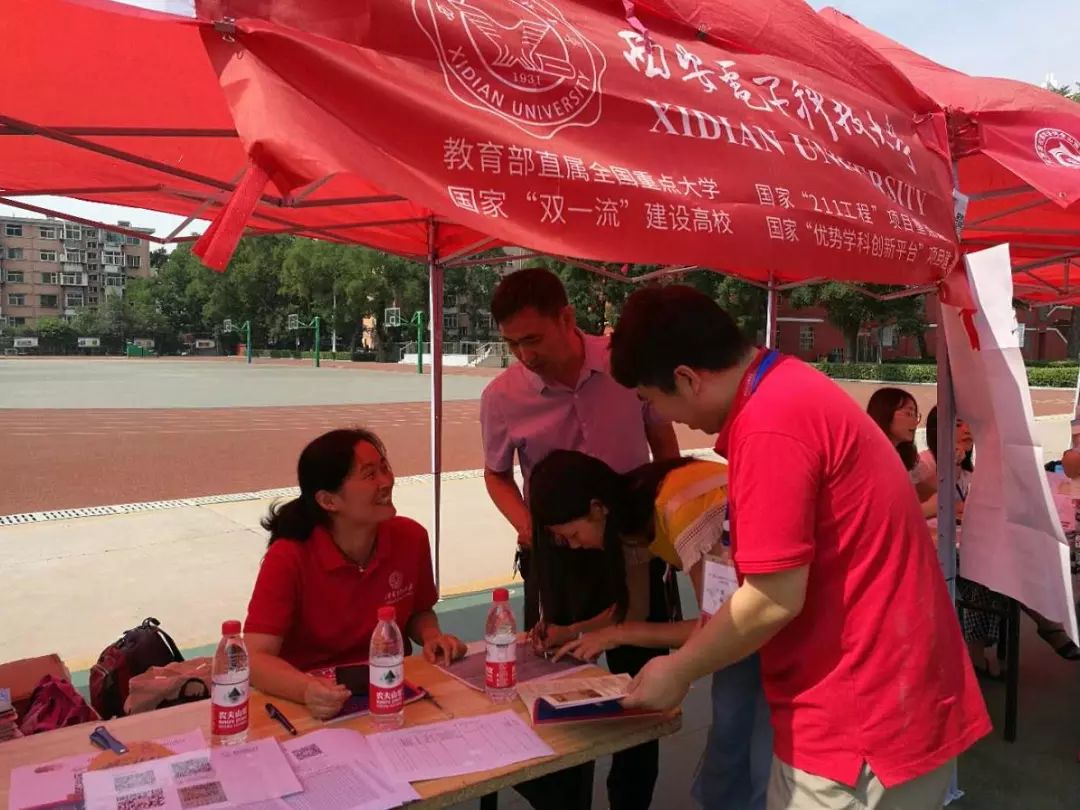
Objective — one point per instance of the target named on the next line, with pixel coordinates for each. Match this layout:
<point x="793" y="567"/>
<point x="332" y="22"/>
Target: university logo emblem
<point x="1055" y="147"/>
<point x="521" y="60"/>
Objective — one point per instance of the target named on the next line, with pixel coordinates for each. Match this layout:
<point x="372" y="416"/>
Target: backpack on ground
<point x="135" y="652"/>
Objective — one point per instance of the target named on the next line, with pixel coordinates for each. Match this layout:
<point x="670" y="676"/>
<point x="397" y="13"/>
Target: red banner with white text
<point x="561" y="127"/>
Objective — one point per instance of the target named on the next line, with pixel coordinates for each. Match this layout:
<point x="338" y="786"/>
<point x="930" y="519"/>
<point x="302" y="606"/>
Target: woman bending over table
<point x="626" y="534"/>
<point x="336" y="555"/>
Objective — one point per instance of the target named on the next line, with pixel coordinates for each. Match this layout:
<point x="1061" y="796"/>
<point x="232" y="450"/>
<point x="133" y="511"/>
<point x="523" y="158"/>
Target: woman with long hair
<point x="630" y="532"/>
<point x="981" y="629"/>
<point x="897" y="414"/>
<point x="338" y="553"/>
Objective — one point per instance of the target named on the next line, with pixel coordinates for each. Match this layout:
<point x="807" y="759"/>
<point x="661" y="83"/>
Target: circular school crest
<point x="521" y="60"/>
<point x="1055" y="147"/>
<point x="397" y="579"/>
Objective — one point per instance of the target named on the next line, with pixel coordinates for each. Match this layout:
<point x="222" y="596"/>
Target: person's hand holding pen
<point x="549" y="637"/>
<point x="536" y="638"/>
<point x="590" y="646"/>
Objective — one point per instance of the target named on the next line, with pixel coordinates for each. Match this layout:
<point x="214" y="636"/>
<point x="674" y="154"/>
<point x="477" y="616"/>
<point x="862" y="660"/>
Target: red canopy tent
<point x="1017" y="153"/>
<point x="760" y="141"/>
<point x="113" y="104"/>
<point x="566" y="129"/>
<point x="750" y="137"/>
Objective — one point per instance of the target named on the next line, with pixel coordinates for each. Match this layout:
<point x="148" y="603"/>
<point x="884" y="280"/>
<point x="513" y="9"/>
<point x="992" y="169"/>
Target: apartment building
<point x="50" y="268"/>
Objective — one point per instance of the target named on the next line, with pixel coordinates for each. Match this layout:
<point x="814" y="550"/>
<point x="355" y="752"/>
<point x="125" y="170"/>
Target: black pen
<point x="275" y="714"/>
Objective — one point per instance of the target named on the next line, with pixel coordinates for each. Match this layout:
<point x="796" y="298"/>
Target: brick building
<point x="50" y="268"/>
<point x="807" y="333"/>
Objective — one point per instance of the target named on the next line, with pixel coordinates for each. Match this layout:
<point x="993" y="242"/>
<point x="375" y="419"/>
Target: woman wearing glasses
<point x="637" y="528"/>
<point x="897" y="414"/>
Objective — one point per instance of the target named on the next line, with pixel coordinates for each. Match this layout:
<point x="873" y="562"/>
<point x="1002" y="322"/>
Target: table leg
<point x="489" y="802"/>
<point x="1012" y="672"/>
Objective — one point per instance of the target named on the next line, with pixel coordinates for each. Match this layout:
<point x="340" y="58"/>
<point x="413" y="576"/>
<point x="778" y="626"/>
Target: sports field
<point x="91" y="432"/>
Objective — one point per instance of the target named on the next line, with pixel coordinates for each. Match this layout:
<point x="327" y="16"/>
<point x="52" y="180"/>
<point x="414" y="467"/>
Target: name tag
<point x="718" y="583"/>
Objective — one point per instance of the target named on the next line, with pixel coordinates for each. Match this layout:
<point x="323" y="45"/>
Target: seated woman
<point x="897" y="414"/>
<point x="635" y="529"/>
<point x="982" y="629"/>
<point x="336" y="555"/>
<point x="978" y="617"/>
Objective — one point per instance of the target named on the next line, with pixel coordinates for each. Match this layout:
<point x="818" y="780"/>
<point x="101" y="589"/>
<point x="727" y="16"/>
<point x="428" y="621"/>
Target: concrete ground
<point x="137" y="383"/>
<point x="79" y="581"/>
<point x="73" y="585"/>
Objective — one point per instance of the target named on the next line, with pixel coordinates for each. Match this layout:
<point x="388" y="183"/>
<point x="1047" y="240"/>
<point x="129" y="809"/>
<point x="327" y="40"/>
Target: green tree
<point x="390" y="281"/>
<point x="1069" y="91"/>
<point x="87" y="322"/>
<point x="469" y="290"/>
<point x="56" y="336"/>
<point x="181" y="290"/>
<point x="146" y="317"/>
<point x="250" y="288"/>
<point x="117" y="321"/>
<point x="363" y="282"/>
<point x="744" y="302"/>
<point x="910" y="317"/>
<point x="159" y="257"/>
<point x="596" y="299"/>
<point x="845" y="308"/>
<point x="849" y="310"/>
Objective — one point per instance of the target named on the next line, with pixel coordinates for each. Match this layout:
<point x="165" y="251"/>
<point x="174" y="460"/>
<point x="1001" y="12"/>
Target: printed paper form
<point x="337" y="771"/>
<point x="217" y="777"/>
<point x="62" y="779"/>
<point x="455" y="747"/>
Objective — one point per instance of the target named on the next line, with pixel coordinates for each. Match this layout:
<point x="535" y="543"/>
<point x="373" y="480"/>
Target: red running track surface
<point x="56" y="459"/>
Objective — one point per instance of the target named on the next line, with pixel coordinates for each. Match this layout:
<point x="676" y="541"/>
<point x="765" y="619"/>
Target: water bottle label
<point x="500" y="666"/>
<point x="386" y="693"/>
<point x="229" y="697"/>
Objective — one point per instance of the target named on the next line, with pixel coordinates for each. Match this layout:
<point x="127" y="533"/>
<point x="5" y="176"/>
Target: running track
<point x="55" y="459"/>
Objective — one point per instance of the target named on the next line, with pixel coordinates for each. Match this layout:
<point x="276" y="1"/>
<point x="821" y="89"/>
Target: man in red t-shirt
<point x="836" y="582"/>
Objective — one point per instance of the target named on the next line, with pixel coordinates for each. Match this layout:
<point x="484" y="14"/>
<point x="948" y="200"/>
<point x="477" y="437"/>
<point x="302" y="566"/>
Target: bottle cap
<point x="387" y="613"/>
<point x="500" y="595"/>
<point x="230" y="628"/>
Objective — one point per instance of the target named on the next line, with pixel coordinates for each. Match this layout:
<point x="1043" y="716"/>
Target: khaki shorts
<point x="792" y="789"/>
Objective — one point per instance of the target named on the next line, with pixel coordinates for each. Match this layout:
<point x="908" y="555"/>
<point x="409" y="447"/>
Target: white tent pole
<point x="946" y="442"/>
<point x="770" y="315"/>
<point x="946" y="514"/>
<point x="435" y="308"/>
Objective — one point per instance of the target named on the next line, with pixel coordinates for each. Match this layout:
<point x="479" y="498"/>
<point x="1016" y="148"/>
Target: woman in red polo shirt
<point x="337" y="554"/>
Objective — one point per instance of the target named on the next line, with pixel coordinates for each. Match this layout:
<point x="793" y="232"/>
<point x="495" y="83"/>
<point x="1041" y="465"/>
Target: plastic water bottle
<point x="231" y="684"/>
<point x="500" y="635"/>
<point x="386" y="667"/>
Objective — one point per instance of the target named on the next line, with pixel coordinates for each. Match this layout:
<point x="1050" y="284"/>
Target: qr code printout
<point x="306" y="752"/>
<point x="125" y="783"/>
<point x="145" y="800"/>
<point x="201" y="795"/>
<point x="199" y="766"/>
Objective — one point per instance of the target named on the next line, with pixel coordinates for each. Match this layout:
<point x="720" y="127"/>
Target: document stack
<point x="9" y="720"/>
